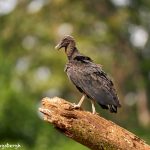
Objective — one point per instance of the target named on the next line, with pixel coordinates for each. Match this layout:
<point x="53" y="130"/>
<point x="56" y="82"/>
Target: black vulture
<point x="88" y="77"/>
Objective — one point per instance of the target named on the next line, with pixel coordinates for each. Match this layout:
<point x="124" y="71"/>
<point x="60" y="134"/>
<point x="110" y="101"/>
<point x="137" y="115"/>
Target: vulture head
<point x="67" y="41"/>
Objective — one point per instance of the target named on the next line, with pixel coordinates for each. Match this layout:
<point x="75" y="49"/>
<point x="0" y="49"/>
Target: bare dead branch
<point x="90" y="130"/>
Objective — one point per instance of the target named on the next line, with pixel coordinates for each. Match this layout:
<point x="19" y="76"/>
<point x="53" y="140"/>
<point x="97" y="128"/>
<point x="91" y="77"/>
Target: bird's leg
<point x="93" y="107"/>
<point x="80" y="102"/>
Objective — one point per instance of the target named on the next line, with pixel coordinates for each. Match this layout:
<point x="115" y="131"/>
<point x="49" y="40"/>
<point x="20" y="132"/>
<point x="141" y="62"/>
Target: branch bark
<point x="90" y="130"/>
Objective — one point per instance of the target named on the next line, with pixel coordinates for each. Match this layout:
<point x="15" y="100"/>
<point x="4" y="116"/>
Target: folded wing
<point x="94" y="82"/>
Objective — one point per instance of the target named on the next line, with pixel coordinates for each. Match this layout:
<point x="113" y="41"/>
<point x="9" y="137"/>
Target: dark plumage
<point x="88" y="77"/>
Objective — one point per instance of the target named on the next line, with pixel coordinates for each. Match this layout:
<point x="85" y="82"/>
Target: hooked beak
<point x="58" y="46"/>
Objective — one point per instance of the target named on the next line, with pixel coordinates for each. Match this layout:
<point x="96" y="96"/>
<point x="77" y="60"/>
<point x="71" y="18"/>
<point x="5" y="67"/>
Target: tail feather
<point x="104" y="106"/>
<point x="112" y="108"/>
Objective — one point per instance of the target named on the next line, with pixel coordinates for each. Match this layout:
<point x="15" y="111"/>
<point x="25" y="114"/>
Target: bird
<point x="88" y="77"/>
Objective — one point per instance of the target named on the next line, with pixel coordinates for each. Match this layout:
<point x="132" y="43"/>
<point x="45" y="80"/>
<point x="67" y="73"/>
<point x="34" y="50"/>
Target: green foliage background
<point x="31" y="69"/>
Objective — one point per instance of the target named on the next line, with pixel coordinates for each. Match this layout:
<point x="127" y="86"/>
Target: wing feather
<point x="94" y="83"/>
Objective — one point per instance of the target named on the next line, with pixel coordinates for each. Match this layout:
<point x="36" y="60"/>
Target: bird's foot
<point x="75" y="106"/>
<point x="95" y="113"/>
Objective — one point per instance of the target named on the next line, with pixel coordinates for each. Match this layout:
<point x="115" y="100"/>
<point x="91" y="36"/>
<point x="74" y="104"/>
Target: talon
<point x="95" y="113"/>
<point x="76" y="106"/>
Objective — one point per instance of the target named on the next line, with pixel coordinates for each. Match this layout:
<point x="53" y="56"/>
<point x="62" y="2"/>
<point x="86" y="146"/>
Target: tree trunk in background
<point x="143" y="112"/>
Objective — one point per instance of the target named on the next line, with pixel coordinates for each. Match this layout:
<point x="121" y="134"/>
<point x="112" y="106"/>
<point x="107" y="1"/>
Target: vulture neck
<point x="71" y="51"/>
